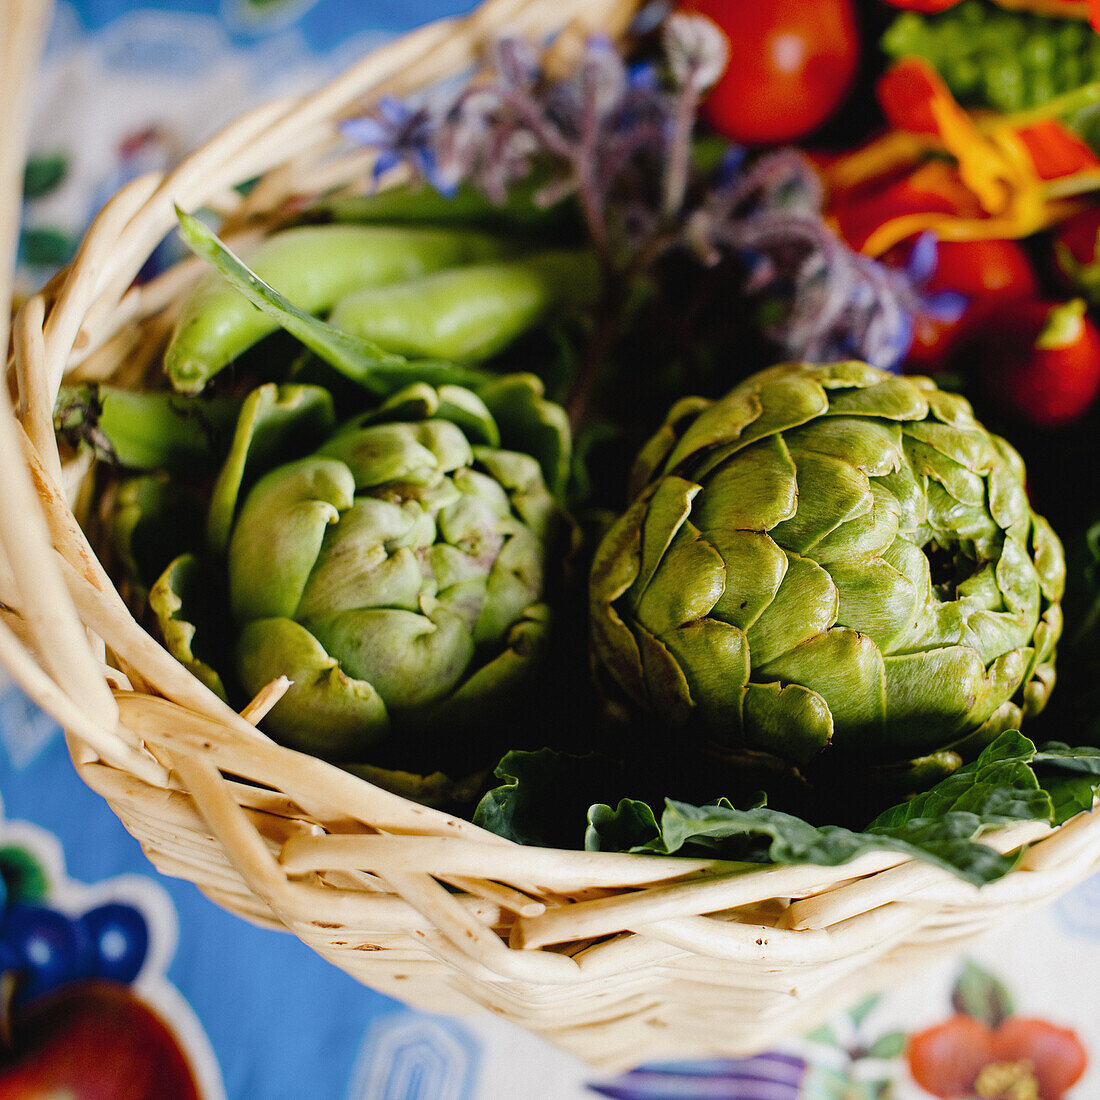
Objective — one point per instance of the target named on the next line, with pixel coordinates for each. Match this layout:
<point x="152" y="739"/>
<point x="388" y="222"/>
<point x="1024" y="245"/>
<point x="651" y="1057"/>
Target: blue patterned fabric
<point x="257" y="1015"/>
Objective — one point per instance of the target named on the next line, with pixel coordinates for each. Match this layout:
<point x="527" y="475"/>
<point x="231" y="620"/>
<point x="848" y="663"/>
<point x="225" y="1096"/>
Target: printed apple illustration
<point x="92" y="1040"/>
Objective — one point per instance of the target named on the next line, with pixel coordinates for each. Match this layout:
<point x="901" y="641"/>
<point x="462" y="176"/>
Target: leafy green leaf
<point x="630" y="827"/>
<point x="824" y="1035"/>
<point x="544" y="796"/>
<point x="41" y="246"/>
<point x="1060" y="755"/>
<point x="24" y="876"/>
<point x="1070" y="776"/>
<point x="979" y="994"/>
<point x="998" y="787"/>
<point x="942" y="825"/>
<point x="1069" y="795"/>
<point x="825" y="1083"/>
<point x="42" y="174"/>
<point x="889" y="1045"/>
<point x="859" y="1012"/>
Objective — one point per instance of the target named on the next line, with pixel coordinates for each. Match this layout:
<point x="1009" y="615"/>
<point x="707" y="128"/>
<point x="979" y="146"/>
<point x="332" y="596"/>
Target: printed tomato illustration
<point x="86" y="1007"/>
<point x="93" y="1040"/>
<point x="1022" y="1057"/>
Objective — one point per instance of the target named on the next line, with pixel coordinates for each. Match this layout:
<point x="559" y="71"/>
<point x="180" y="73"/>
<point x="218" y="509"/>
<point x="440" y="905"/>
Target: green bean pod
<point x="468" y="313"/>
<point x="314" y="267"/>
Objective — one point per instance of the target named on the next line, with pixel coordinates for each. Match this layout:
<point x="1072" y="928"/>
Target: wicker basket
<point x="613" y="957"/>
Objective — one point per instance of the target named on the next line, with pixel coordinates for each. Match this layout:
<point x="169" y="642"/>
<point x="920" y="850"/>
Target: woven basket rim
<point x="307" y="840"/>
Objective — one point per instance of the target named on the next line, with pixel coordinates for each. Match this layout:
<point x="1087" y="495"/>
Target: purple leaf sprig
<point x="618" y="138"/>
<point x="821" y="300"/>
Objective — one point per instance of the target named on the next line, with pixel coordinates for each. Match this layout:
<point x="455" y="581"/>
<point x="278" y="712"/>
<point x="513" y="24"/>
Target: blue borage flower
<point x="400" y="134"/>
<point x="617" y="138"/>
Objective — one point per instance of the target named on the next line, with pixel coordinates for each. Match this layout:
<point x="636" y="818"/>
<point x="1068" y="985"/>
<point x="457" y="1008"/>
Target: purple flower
<point x="400" y="134"/>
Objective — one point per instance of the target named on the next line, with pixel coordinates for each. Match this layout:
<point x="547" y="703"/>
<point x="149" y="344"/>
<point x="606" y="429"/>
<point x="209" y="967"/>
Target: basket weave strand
<point x="614" y="957"/>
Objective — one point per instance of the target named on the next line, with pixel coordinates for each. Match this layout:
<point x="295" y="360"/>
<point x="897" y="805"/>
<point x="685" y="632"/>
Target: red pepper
<point x="1056" y="150"/>
<point x="935" y="187"/>
<point x="906" y="92"/>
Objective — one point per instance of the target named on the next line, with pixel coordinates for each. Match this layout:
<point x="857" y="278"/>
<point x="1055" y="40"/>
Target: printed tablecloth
<point x="256" y="1014"/>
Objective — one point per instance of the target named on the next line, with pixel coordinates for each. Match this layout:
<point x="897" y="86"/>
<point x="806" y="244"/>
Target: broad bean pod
<point x="314" y="267"/>
<point x="468" y="313"/>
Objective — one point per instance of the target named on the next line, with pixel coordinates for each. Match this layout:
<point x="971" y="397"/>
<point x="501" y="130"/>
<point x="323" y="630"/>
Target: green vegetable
<point x="834" y="567"/>
<point x="313" y="267"/>
<point x="1007" y="60"/>
<point x="538" y="802"/>
<point x="362" y="361"/>
<point x="147" y="431"/>
<point x="417" y="205"/>
<point x="468" y="313"/>
<point x="394" y="573"/>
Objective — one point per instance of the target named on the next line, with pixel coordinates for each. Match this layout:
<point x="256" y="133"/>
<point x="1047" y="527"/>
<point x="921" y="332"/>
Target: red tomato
<point x="791" y="63"/>
<point x="984" y="272"/>
<point x="1040" y="361"/>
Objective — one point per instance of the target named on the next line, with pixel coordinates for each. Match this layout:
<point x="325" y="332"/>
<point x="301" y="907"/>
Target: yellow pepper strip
<point x="950" y="227"/>
<point x="892" y="152"/>
<point x="994" y="165"/>
<point x="981" y="167"/>
<point x="1076" y="183"/>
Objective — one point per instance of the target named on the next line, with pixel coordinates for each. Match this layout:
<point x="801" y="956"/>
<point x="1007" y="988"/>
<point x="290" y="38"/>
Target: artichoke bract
<point x="830" y="563"/>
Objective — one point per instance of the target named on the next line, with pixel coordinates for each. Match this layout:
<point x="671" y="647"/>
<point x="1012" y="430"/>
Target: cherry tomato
<point x="1040" y="361"/>
<point x="791" y="64"/>
<point x="983" y="272"/>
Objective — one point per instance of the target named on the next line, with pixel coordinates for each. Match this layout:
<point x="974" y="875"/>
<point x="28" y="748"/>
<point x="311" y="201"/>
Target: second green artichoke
<point x="830" y="563"/>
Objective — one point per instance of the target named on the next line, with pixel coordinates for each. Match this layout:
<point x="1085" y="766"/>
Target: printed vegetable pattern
<point x="983" y="1051"/>
<point x="855" y="1078"/>
<point x="83" y="987"/>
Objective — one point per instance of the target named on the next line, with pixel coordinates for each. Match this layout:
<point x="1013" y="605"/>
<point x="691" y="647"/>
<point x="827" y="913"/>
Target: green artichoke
<point x="830" y="563"/>
<point x="394" y="572"/>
